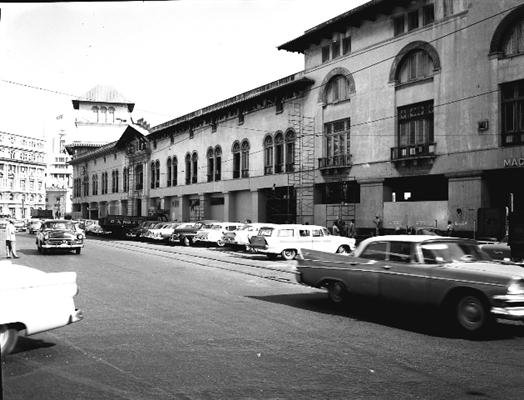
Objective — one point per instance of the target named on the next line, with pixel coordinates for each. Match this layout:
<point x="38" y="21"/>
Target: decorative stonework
<point x="334" y="72"/>
<point x="414" y="46"/>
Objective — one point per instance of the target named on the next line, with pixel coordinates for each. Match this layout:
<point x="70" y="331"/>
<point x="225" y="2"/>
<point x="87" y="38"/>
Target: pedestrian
<point x="352" y="230"/>
<point x="378" y="225"/>
<point x="449" y="230"/>
<point x="335" y="231"/>
<point x="10" y="239"/>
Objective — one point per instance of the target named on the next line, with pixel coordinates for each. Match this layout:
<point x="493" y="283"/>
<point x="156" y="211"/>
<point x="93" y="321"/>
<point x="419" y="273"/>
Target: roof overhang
<point x="274" y="89"/>
<point x="340" y="23"/>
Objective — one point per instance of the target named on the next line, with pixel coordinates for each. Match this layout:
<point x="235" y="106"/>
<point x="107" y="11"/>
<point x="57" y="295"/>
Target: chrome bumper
<point x="509" y="306"/>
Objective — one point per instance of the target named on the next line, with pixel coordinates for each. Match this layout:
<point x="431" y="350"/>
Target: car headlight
<point x="46" y="236"/>
<point x="516" y="286"/>
<point x="79" y="236"/>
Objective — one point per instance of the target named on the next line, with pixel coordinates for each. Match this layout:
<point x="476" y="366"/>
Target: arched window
<point x="103" y="111"/>
<point x="157" y="173"/>
<point x="210" y="164"/>
<point x="139" y="177"/>
<point x="218" y="163"/>
<point x="279" y="152"/>
<point x="153" y="170"/>
<point x="244" y="148"/>
<point x="169" y="171"/>
<point x="125" y="179"/>
<point x="337" y="89"/>
<point x="236" y="159"/>
<point x="513" y="43"/>
<point x="194" y="169"/>
<point x="290" y="150"/>
<point x="175" y="171"/>
<point x="268" y="155"/>
<point x="95" y="111"/>
<point x="188" y="169"/>
<point x="416" y="65"/>
<point x="111" y="115"/>
<point x="94" y="185"/>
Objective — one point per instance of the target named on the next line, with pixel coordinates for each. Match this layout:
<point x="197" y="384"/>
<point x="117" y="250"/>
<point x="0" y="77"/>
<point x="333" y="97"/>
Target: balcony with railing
<point x="414" y="152"/>
<point x="339" y="161"/>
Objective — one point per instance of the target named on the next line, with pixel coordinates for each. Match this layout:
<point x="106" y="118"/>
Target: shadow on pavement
<point x="25" y="344"/>
<point x="398" y="316"/>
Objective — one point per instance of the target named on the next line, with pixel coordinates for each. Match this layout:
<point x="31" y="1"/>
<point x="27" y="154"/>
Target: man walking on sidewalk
<point x="10" y="239"/>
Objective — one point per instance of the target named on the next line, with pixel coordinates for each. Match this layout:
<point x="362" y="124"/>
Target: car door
<point x="403" y="277"/>
<point x="364" y="271"/>
<point x="320" y="240"/>
<point x="304" y="239"/>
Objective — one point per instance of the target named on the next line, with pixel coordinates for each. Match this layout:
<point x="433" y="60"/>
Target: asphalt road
<point x="194" y="323"/>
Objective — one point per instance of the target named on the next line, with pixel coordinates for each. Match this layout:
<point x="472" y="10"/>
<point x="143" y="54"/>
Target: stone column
<point x="258" y="206"/>
<point x="371" y="203"/>
<point x="184" y="208"/>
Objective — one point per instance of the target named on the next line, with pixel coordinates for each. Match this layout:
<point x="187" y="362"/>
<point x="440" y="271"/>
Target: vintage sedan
<point x="287" y="240"/>
<point x="186" y="232"/>
<point x="240" y="237"/>
<point x="213" y="234"/>
<point x="451" y="274"/>
<point x="34" y="301"/>
<point x="59" y="234"/>
<point x="161" y="232"/>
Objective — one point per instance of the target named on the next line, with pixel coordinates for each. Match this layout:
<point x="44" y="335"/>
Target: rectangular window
<point x="217" y="201"/>
<point x="447" y="6"/>
<point x="335" y="49"/>
<point x="336" y="148"/>
<point x="412" y="20"/>
<point x="512" y="108"/>
<point x="398" y="25"/>
<point x="279" y="105"/>
<point x="346" y="45"/>
<point x="240" y="117"/>
<point x="325" y="54"/>
<point x="415" y="124"/>
<point x="428" y="14"/>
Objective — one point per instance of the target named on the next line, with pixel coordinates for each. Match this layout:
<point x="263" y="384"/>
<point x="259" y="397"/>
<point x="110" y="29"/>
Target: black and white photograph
<point x="262" y="200"/>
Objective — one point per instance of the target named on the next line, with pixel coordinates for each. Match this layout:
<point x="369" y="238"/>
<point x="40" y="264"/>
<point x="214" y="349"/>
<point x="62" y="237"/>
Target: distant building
<point x="22" y="175"/>
<point x="59" y="178"/>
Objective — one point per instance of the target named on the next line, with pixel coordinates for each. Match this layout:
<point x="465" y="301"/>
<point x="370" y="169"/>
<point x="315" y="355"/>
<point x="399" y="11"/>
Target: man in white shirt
<point x="10" y="239"/>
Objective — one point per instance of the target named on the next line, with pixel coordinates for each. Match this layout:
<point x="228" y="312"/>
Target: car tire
<point x="220" y="243"/>
<point x="343" y="250"/>
<point x="77" y="251"/>
<point x="336" y="292"/>
<point x="289" y="254"/>
<point x="472" y="316"/>
<point x="8" y="338"/>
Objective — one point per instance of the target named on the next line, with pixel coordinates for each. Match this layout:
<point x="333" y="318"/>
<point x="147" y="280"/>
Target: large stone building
<point x="410" y="110"/>
<point x="22" y="175"/>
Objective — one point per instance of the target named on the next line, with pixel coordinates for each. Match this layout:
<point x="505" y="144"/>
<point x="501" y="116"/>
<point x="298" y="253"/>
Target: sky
<point x="168" y="57"/>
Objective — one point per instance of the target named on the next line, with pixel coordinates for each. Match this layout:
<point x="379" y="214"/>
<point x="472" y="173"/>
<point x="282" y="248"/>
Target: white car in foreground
<point x="33" y="301"/>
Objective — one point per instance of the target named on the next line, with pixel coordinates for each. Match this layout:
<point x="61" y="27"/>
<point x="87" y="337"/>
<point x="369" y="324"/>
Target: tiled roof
<point x="104" y="94"/>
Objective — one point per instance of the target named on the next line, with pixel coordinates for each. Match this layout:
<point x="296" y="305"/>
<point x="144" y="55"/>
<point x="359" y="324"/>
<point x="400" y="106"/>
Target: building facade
<point x="59" y="178"/>
<point x="409" y="110"/>
<point x="22" y="175"/>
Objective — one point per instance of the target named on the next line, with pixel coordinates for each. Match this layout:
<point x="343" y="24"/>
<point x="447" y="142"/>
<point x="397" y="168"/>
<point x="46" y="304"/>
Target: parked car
<point x="138" y="232"/>
<point x="161" y="232"/>
<point x="33" y="225"/>
<point x="497" y="249"/>
<point x="240" y="236"/>
<point x="185" y="232"/>
<point x="214" y="233"/>
<point x="20" y="225"/>
<point x="56" y="234"/>
<point x="451" y="274"/>
<point x="287" y="240"/>
<point x="38" y="301"/>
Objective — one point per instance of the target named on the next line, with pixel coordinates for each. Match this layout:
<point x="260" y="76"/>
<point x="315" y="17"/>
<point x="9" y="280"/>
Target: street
<point x="172" y="322"/>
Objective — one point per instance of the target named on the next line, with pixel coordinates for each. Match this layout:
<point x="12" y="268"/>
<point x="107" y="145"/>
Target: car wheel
<point x="289" y="254"/>
<point x="336" y="292"/>
<point x="78" y="251"/>
<point x="185" y="241"/>
<point x="343" y="250"/>
<point x="471" y="314"/>
<point x="220" y="243"/>
<point x="8" y="338"/>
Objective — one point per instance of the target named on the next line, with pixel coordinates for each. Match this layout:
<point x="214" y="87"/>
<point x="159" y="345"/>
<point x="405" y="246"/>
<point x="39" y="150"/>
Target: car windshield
<point x="216" y="227"/>
<point x="446" y="252"/>
<point x="59" y="225"/>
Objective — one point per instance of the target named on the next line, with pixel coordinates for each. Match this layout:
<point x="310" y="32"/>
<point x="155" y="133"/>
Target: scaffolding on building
<point x="301" y="174"/>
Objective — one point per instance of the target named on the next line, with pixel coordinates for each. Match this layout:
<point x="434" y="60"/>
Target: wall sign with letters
<point x="514" y="162"/>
